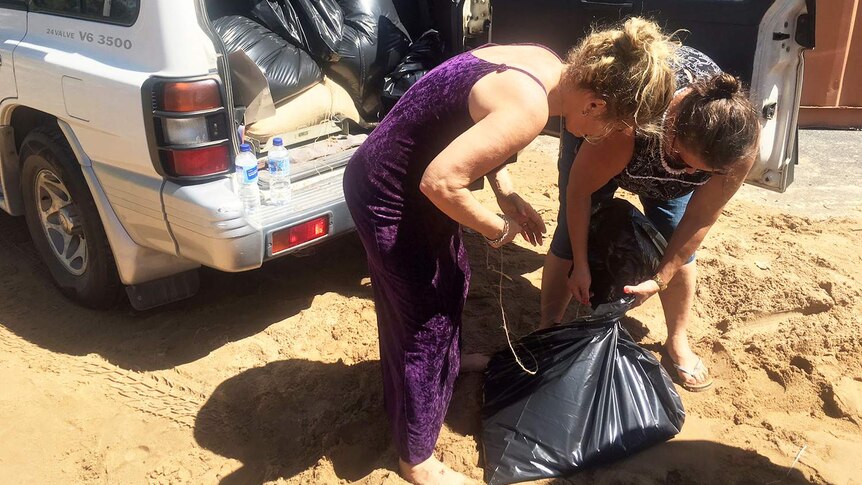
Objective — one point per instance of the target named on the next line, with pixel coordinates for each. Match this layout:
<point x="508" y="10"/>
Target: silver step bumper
<point x="209" y="227"/>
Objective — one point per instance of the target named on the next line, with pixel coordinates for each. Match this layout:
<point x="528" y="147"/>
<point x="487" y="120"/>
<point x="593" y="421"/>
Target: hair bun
<point x="723" y="86"/>
<point x="638" y="33"/>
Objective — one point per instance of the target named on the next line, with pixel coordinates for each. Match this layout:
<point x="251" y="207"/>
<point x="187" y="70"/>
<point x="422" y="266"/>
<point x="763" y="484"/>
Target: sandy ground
<point x="272" y="376"/>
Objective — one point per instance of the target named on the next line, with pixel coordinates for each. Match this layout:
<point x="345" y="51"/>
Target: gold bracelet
<point x="660" y="282"/>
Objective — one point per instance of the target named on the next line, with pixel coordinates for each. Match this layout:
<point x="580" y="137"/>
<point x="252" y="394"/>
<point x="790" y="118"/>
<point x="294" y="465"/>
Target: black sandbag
<point x="364" y="15"/>
<point x="623" y="248"/>
<point x="322" y="23"/>
<point x="424" y="54"/>
<point x="596" y="397"/>
<point x="280" y="17"/>
<point x="288" y="70"/>
<point x="365" y="60"/>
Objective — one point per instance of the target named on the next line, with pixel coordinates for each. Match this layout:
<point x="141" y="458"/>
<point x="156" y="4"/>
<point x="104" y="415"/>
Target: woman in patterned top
<point x="710" y="134"/>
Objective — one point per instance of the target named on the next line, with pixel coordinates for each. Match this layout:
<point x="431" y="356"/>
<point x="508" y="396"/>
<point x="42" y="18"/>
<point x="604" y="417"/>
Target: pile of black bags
<point x="355" y="42"/>
<point x="596" y="396"/>
<point x="425" y="54"/>
<point x="288" y="70"/>
<point x="314" y="26"/>
<point x="373" y="44"/>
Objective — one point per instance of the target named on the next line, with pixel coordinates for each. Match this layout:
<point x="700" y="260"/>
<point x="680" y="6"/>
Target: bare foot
<point x="690" y="368"/>
<point x="474" y="363"/>
<point x="432" y="472"/>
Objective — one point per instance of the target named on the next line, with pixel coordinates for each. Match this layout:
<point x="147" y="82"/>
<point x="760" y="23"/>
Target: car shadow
<point x="228" y="307"/>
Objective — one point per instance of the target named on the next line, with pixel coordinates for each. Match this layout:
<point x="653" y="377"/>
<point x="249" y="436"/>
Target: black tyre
<point x="64" y="222"/>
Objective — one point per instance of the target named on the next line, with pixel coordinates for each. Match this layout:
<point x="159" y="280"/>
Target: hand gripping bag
<point x="623" y="248"/>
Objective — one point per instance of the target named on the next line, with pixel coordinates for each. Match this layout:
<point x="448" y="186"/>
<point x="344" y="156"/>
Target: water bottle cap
<point x="245" y="147"/>
<point x="277" y="142"/>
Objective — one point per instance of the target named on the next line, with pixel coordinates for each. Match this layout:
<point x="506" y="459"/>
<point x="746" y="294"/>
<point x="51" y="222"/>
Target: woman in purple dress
<point x="407" y="190"/>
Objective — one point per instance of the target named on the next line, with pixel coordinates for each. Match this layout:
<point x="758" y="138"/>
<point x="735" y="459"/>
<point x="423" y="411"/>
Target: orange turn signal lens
<point x="187" y="97"/>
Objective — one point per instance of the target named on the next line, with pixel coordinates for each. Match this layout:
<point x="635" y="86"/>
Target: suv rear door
<point x="761" y="41"/>
<point x="13" y="27"/>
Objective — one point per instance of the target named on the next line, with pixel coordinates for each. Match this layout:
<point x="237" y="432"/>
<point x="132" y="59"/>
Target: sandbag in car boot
<point x="280" y="17"/>
<point x="623" y="248"/>
<point x="424" y="54"/>
<point x="288" y="70"/>
<point x="596" y="397"/>
<point x="321" y="102"/>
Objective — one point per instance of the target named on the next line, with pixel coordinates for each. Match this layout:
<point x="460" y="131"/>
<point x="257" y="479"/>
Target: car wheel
<point x="64" y="223"/>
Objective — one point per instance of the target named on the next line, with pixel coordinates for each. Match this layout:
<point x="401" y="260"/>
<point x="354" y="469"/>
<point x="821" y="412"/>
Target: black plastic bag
<point x="322" y="24"/>
<point x="596" y="397"/>
<point x="623" y="248"/>
<point x="281" y="18"/>
<point x="425" y="54"/>
<point x="364" y="16"/>
<point x="288" y="70"/>
<point x="372" y="45"/>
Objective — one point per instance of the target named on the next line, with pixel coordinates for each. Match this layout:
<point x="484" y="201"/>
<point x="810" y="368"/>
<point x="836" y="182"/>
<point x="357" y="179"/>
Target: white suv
<point x="118" y="126"/>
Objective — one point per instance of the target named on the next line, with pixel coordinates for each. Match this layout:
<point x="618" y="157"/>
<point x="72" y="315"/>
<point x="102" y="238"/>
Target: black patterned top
<point x="645" y="174"/>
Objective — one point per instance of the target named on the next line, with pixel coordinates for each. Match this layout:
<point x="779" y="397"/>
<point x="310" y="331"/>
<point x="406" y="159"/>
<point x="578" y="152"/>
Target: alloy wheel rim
<point x="61" y="222"/>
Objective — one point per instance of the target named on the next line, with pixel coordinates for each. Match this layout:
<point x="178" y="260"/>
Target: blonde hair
<point x="631" y="68"/>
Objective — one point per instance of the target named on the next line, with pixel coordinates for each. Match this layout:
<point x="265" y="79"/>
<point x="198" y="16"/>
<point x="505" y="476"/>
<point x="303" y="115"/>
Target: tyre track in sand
<point x="165" y="394"/>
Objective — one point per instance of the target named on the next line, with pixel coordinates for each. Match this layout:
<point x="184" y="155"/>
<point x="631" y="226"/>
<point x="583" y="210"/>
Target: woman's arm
<point x="702" y="211"/>
<point x="529" y="221"/>
<point x="595" y="165"/>
<point x="512" y="121"/>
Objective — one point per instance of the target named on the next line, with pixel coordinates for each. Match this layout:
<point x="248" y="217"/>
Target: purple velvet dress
<point x="416" y="256"/>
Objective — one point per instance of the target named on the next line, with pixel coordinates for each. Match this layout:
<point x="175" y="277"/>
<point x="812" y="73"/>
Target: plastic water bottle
<point x="279" y="173"/>
<point x="246" y="179"/>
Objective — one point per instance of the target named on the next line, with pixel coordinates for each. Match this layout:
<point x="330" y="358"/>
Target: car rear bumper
<point x="209" y="227"/>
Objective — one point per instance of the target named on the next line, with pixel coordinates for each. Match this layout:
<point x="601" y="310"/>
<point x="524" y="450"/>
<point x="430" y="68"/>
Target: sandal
<point x="706" y="384"/>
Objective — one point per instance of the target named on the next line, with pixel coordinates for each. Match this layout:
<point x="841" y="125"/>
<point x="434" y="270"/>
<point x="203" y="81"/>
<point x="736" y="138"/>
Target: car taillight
<point x="298" y="235"/>
<point x="188" y="97"/>
<point x="198" y="162"/>
<point x="191" y="128"/>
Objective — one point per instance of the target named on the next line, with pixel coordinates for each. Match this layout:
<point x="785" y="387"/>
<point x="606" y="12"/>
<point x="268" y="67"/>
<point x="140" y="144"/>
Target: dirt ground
<point x="272" y="376"/>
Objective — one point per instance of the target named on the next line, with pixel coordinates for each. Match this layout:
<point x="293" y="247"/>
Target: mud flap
<point x="152" y="294"/>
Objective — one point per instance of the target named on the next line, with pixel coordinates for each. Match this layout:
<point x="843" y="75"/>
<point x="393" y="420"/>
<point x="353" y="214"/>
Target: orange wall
<point x="832" y="89"/>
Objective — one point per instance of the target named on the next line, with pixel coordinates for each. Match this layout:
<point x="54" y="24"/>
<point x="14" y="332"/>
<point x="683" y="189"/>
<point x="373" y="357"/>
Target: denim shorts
<point x="664" y="214"/>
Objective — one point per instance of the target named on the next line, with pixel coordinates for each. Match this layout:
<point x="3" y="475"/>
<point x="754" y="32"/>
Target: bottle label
<point x="247" y="175"/>
<point x="279" y="165"/>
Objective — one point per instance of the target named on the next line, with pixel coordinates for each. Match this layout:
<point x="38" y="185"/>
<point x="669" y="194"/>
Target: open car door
<point x="761" y="41"/>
